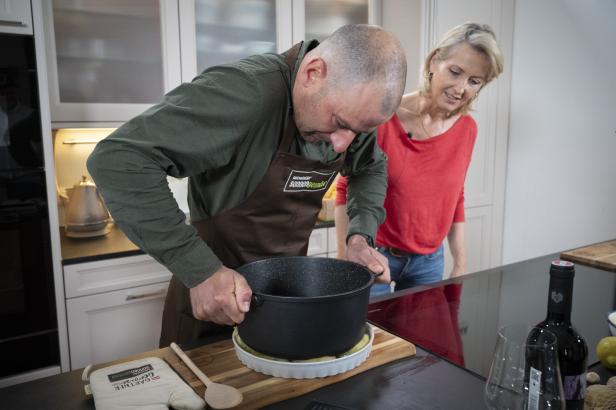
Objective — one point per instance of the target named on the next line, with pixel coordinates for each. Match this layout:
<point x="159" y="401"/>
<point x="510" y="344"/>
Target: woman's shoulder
<point x="464" y="129"/>
<point x="468" y="123"/>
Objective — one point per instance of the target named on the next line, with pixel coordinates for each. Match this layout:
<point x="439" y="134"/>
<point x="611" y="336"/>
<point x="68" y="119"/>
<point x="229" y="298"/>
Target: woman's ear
<point x="433" y="61"/>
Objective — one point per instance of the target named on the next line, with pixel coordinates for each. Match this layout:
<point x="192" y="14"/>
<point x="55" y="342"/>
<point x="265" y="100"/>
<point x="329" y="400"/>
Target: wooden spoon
<point x="217" y="395"/>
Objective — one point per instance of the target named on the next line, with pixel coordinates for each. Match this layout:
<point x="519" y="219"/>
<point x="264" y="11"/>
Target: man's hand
<point x="360" y="252"/>
<point x="222" y="298"/>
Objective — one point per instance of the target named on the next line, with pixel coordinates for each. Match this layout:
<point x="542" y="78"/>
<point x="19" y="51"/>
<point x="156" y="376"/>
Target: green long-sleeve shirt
<point x="222" y="131"/>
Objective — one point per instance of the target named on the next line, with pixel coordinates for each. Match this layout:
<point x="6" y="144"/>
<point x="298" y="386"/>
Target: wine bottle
<point x="572" y="348"/>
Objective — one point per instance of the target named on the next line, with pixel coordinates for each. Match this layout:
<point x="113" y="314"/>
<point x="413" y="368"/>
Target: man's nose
<point x="341" y="139"/>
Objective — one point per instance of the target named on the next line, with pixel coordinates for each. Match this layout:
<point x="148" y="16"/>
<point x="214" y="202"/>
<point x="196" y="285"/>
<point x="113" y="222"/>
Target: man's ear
<point x="314" y="72"/>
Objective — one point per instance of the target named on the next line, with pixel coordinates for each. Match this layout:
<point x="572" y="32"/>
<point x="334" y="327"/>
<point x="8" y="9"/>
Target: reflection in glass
<point x="108" y="51"/>
<point x="488" y="301"/>
<point x="323" y="17"/>
<point x="228" y="30"/>
<point x="428" y="319"/>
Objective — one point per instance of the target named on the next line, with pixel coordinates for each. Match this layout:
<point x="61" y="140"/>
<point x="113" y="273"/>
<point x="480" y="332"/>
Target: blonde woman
<point x="429" y="142"/>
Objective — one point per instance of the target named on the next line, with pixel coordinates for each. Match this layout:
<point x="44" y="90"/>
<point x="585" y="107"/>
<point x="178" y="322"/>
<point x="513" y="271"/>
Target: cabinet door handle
<point x="146" y="295"/>
<point x="12" y="23"/>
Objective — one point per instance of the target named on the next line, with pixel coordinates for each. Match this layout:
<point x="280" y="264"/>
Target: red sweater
<point x="425" y="191"/>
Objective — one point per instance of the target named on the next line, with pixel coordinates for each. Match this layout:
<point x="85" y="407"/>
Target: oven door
<point x="20" y="130"/>
<point x="28" y="325"/>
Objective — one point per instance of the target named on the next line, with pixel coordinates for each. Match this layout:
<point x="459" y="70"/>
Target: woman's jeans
<point x="411" y="270"/>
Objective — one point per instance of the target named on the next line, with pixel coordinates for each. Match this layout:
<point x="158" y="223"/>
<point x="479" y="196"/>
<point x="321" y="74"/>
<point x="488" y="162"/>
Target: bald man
<point x="260" y="140"/>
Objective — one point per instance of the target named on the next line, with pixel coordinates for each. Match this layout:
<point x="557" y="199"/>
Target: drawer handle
<point x="12" y="23"/>
<point x="146" y="295"/>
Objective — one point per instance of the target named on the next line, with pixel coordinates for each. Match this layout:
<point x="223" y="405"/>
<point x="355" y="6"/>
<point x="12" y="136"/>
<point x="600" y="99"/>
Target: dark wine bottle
<point x="572" y="348"/>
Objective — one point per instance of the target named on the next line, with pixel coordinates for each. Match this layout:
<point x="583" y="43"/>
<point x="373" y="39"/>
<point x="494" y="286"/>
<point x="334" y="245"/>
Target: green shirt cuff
<point x="196" y="265"/>
<point x="364" y="225"/>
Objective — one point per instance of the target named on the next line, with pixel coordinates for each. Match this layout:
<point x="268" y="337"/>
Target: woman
<point x="429" y="142"/>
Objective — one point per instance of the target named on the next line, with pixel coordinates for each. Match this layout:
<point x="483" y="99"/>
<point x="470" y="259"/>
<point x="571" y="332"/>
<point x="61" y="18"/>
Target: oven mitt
<point x="148" y="384"/>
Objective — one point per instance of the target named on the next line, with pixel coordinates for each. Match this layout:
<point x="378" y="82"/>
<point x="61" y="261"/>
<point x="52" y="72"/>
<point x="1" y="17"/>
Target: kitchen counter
<point x="421" y="382"/>
<point x="113" y="245"/>
<point x="453" y="323"/>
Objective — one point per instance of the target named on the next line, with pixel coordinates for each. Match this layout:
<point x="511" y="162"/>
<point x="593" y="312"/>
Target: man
<point x="260" y="140"/>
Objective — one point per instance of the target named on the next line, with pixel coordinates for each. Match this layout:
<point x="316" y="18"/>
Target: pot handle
<point x="256" y="300"/>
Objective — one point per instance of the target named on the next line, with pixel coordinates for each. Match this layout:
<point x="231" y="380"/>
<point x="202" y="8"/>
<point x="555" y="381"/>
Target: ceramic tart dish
<point x="302" y="369"/>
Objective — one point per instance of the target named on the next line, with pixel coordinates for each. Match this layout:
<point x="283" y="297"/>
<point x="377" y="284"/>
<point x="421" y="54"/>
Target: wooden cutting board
<point x="601" y="255"/>
<point x="219" y="362"/>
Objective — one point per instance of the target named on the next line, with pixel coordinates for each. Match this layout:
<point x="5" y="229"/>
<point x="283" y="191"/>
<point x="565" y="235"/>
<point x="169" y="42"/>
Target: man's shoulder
<point x="265" y="75"/>
<point x="259" y="65"/>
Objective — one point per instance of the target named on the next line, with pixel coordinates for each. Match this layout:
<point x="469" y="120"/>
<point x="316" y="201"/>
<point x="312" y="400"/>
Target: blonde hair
<point x="481" y="38"/>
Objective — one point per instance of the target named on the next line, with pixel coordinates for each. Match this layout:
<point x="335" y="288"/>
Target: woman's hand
<point x="222" y="298"/>
<point x="360" y="252"/>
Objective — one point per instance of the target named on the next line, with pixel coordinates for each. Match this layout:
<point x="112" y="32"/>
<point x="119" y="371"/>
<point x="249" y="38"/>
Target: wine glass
<point x="543" y="387"/>
<point x="515" y="383"/>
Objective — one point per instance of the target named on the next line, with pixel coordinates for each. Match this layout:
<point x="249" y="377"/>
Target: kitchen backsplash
<point x="72" y="146"/>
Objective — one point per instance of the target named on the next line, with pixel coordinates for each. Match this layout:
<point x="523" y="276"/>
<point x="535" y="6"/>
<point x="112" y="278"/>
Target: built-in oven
<point x="28" y="323"/>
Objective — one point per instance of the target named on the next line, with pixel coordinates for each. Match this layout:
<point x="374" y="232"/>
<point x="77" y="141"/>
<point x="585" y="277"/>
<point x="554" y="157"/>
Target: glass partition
<point x="323" y="17"/>
<point x="228" y="30"/>
<point x="109" y="51"/>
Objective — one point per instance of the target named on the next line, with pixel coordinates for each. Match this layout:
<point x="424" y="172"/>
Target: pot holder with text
<point x="148" y="384"/>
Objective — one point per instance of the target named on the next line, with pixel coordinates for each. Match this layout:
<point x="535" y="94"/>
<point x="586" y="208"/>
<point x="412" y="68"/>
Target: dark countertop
<point x="422" y="382"/>
<point x="113" y="245"/>
<point x="453" y="323"/>
<point x="459" y="318"/>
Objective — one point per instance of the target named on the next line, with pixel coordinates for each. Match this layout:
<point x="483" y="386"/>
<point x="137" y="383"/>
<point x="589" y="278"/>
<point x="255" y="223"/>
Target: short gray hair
<point x="480" y="37"/>
<point x="362" y="53"/>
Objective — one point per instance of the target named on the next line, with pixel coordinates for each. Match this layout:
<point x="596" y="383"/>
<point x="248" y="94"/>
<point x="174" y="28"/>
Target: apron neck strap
<point x="290" y="58"/>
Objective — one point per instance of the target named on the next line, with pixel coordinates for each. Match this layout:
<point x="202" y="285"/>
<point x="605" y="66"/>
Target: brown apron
<point x="275" y="220"/>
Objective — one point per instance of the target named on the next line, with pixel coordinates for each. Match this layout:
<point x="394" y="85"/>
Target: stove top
<point x="458" y="319"/>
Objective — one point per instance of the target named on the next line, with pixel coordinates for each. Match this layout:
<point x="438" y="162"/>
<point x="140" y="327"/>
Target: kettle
<point x="86" y="214"/>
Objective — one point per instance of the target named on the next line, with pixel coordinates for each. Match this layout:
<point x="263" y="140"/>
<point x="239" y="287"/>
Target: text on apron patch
<point x="307" y="181"/>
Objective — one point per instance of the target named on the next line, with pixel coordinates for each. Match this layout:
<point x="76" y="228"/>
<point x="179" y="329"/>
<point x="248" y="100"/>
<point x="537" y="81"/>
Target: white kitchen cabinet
<point x="114" y="308"/>
<point x="322" y="242"/>
<point x="84" y="279"/>
<point x="16" y="17"/>
<point x="220" y="31"/>
<point x="317" y="244"/>
<point x="110" y="60"/>
<point x="332" y="243"/>
<point x="113" y="325"/>
<point x="322" y="17"/>
<point x="319" y="18"/>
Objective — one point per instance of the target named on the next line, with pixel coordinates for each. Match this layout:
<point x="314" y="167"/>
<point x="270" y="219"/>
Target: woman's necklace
<point x="422" y="116"/>
<point x="440" y="129"/>
<point x="421" y="121"/>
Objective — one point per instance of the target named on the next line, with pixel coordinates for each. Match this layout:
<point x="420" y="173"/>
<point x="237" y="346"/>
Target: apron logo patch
<point x="311" y="181"/>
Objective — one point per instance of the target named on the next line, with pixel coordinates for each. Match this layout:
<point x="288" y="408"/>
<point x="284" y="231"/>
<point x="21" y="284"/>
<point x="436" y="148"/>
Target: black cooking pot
<point x="305" y="307"/>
